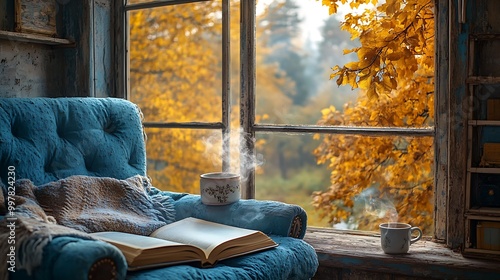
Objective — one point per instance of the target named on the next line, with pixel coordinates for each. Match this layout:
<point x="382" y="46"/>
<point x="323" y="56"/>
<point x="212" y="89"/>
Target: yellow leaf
<point x="364" y="81"/>
<point x="394" y="56"/>
<point x="325" y="112"/>
<point x="372" y="93"/>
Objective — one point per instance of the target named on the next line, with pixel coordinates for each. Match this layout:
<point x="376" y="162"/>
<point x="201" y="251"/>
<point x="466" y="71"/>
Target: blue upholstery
<point x="47" y="139"/>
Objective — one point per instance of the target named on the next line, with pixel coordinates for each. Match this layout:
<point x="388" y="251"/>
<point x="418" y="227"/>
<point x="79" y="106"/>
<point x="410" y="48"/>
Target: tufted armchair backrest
<point x="46" y="139"/>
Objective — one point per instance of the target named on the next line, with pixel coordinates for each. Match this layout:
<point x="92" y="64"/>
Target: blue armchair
<point x="47" y="139"/>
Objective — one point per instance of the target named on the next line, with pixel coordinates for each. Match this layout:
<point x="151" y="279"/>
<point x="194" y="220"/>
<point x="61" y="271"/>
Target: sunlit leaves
<point x="394" y="32"/>
<point x="174" y="64"/>
<point x="395" y="70"/>
<point x="175" y="76"/>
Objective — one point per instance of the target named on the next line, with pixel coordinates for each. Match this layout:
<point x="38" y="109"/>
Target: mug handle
<point x="413" y="240"/>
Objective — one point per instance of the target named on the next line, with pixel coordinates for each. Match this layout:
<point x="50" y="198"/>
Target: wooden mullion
<point x="353" y="130"/>
<point x="193" y="125"/>
<point x="159" y="3"/>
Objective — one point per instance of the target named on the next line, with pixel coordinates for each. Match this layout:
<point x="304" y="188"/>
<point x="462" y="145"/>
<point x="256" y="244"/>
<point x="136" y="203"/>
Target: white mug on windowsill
<point x="395" y="238"/>
<point x="219" y="188"/>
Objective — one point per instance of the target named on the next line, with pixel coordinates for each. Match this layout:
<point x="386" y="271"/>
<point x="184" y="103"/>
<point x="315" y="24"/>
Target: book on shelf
<point x="187" y="240"/>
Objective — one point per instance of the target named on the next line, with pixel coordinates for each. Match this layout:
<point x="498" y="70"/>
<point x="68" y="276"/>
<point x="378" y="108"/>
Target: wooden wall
<point x="84" y="69"/>
<point x="28" y="70"/>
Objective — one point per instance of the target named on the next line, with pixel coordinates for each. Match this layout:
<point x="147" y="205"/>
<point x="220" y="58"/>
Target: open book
<point x="186" y="240"/>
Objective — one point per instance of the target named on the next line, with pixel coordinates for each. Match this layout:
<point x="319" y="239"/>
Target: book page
<point x="133" y="240"/>
<point x="203" y="234"/>
<point x="144" y="251"/>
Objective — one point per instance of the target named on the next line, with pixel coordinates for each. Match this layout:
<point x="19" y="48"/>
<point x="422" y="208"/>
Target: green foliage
<point x="297" y="189"/>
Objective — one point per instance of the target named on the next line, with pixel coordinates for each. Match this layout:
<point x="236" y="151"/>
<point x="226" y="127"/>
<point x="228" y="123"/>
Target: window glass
<point x="385" y="81"/>
<point x="175" y="62"/>
<point x="177" y="157"/>
<point x="288" y="172"/>
<point x="350" y="182"/>
<point x="145" y="1"/>
<point x="315" y="69"/>
<point x="175" y="76"/>
<point x="299" y="43"/>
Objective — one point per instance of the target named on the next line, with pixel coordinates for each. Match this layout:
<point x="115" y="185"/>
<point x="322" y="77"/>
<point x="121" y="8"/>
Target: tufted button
<point x="88" y="166"/>
<point x="109" y="127"/>
<point x="14" y="129"/>
<point x="60" y="131"/>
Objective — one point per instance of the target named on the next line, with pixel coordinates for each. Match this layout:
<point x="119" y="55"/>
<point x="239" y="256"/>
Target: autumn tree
<point x="171" y="70"/>
<point x="175" y="76"/>
<point x="281" y="31"/>
<point x="382" y="178"/>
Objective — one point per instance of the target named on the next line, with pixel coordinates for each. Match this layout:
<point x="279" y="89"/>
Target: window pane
<point x="175" y="62"/>
<point x="288" y="172"/>
<point x="139" y="1"/>
<point x="177" y="157"/>
<point x="298" y="45"/>
<point x="350" y="182"/>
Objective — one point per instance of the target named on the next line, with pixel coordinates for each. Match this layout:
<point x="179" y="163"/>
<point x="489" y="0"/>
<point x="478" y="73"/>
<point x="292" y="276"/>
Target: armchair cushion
<point x="293" y="259"/>
<point x="47" y="139"/>
<point x="71" y="257"/>
<point x="36" y="248"/>
<point x="270" y="217"/>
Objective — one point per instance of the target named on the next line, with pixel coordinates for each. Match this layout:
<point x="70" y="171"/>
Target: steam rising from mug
<point x="379" y="208"/>
<point x="241" y="160"/>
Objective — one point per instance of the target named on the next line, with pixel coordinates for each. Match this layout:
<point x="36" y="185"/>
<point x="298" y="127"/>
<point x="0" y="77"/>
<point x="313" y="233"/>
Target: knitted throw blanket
<point x="78" y="205"/>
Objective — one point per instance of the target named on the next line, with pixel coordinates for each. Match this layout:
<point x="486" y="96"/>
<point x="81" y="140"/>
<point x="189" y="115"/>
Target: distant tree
<point x="395" y="71"/>
<point x="175" y="75"/>
<point x="330" y="52"/>
<point x="282" y="36"/>
<point x="171" y="69"/>
<point x="334" y="42"/>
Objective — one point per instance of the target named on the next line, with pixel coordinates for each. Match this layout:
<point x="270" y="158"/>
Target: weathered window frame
<point x="448" y="206"/>
<point x="224" y="125"/>
<point x="248" y="94"/>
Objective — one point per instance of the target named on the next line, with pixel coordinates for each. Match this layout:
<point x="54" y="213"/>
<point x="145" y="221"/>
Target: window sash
<point x="247" y="107"/>
<point x="247" y="98"/>
<point x="224" y="125"/>
<point x="158" y="3"/>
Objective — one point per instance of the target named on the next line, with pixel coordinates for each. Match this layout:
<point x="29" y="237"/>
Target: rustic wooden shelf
<point x="476" y="80"/>
<point x="477" y="213"/>
<point x="483" y="123"/>
<point x="471" y="245"/>
<point x="485" y="170"/>
<point x="33" y="38"/>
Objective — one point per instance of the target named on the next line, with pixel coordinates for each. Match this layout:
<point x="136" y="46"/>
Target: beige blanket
<point x="78" y="205"/>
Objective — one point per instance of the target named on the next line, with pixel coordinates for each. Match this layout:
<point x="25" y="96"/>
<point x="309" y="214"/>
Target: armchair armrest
<point x="270" y="217"/>
<point x="69" y="257"/>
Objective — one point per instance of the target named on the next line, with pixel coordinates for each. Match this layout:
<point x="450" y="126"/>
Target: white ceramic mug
<point x="219" y="188"/>
<point x="396" y="238"/>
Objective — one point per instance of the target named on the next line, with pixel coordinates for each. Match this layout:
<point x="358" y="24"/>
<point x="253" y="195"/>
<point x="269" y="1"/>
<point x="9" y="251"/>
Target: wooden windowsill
<point x="426" y="258"/>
